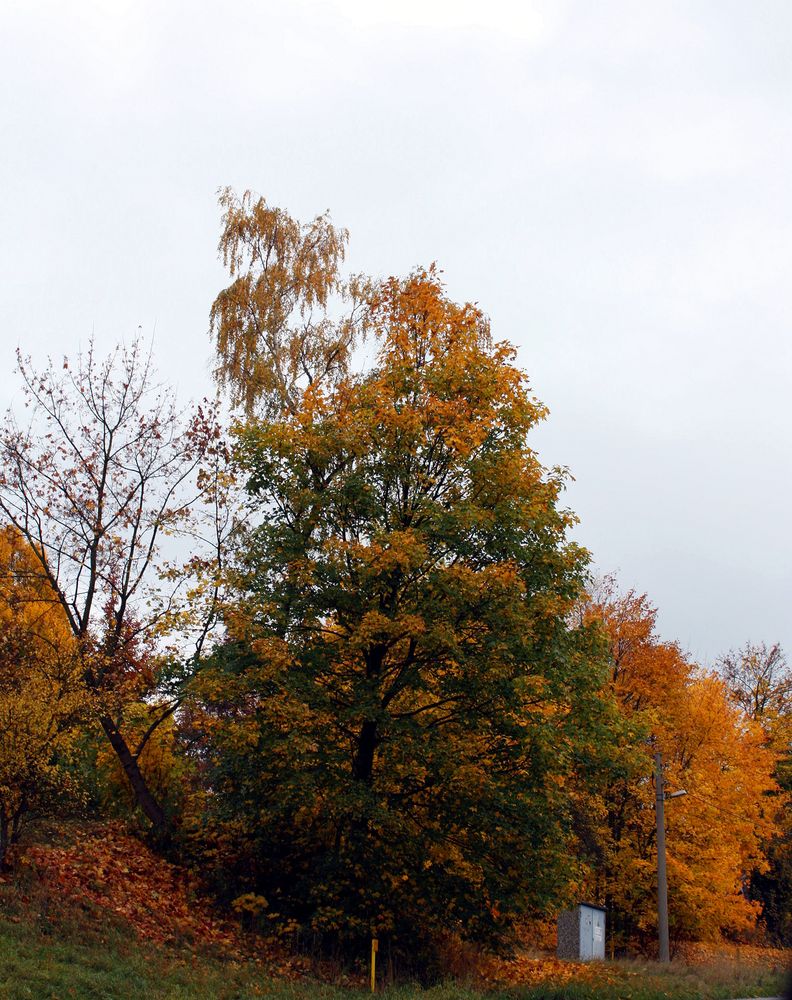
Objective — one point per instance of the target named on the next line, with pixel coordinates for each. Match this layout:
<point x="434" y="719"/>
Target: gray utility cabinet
<point x="581" y="933"/>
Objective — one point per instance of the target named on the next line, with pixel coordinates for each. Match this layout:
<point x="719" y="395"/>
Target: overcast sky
<point x="611" y="181"/>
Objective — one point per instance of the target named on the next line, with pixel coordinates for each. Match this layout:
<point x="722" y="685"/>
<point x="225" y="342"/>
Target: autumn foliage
<point x="381" y="693"/>
<point x="711" y="749"/>
<point x="408" y="695"/>
<point x="42" y="698"/>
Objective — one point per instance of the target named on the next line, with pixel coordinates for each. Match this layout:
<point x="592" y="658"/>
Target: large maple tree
<point x="389" y="730"/>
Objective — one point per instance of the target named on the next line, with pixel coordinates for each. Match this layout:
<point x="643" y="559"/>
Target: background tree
<point x="289" y="318"/>
<point x="105" y="467"/>
<point x="759" y="680"/>
<point x="709" y="748"/>
<point x="42" y="697"/>
<point x="389" y="733"/>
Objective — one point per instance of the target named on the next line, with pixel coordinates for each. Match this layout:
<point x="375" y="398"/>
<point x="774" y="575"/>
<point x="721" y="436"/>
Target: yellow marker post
<point x="374" y="950"/>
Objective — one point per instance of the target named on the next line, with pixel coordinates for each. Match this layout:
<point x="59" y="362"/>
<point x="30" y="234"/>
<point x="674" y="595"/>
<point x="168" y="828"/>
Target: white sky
<point x="611" y="181"/>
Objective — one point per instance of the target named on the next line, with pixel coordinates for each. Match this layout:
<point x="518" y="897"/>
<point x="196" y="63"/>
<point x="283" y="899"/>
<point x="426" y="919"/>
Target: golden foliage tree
<point x="759" y="680"/>
<point x="388" y="733"/>
<point x="42" y="695"/>
<point x="289" y="317"/>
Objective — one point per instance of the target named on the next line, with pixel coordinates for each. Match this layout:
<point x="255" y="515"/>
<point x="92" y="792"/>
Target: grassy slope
<point x="60" y="939"/>
<point x="38" y="962"/>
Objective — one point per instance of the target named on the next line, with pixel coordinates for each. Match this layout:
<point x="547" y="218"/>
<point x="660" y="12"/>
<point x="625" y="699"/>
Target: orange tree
<point x="388" y="734"/>
<point x="711" y="749"/>
<point x="759" y="680"/>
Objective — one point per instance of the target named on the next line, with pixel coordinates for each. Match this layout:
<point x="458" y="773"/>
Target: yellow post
<point x="374" y="950"/>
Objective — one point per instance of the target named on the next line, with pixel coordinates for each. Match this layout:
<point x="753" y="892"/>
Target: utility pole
<point x="662" y="883"/>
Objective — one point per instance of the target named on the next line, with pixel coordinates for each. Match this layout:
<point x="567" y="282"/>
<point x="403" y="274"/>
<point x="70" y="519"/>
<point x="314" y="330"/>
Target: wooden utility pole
<point x="662" y="882"/>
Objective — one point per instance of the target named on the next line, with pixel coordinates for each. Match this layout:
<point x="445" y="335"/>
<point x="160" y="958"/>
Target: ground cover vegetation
<point x="337" y="657"/>
<point x="89" y="911"/>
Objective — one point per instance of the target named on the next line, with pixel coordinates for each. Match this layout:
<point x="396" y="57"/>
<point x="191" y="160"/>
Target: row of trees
<point x="371" y="689"/>
<point x="726" y="759"/>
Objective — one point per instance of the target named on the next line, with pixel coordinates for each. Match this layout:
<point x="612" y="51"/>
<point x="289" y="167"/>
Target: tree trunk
<point x="363" y="763"/>
<point x="4" y="838"/>
<point x="128" y="761"/>
<point x="16" y="820"/>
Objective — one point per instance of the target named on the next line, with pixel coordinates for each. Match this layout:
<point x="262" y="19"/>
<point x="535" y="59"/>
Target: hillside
<point x="88" y="911"/>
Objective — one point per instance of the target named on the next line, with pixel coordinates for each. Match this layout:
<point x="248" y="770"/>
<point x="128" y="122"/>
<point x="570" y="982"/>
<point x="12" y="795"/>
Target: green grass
<point x="38" y="964"/>
<point x="53" y="950"/>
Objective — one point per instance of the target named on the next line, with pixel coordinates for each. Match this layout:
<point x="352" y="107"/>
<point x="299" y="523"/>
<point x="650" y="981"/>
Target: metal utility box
<point x="581" y="933"/>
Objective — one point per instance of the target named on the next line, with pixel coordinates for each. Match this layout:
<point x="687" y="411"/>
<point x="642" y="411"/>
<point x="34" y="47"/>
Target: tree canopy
<point x="404" y="695"/>
<point x="375" y="690"/>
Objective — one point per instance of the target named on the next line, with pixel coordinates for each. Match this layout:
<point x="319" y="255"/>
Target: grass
<point x="38" y="963"/>
<point x="58" y="947"/>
